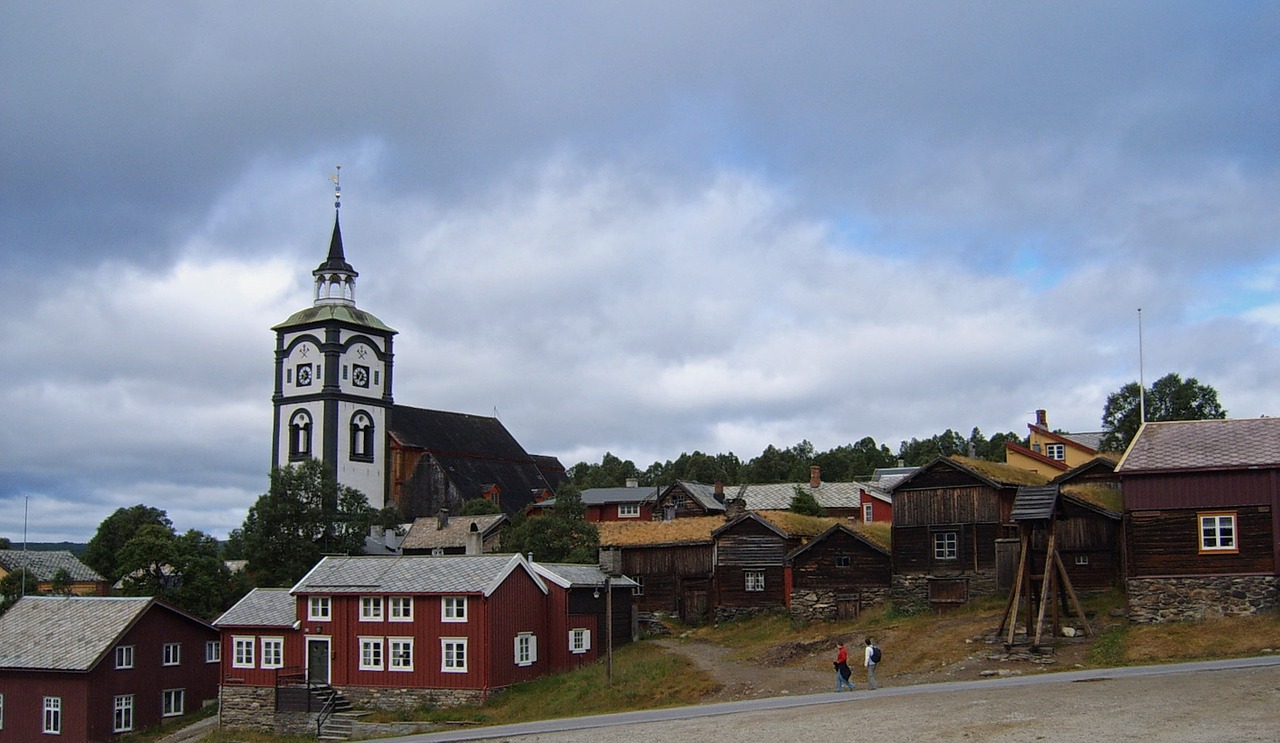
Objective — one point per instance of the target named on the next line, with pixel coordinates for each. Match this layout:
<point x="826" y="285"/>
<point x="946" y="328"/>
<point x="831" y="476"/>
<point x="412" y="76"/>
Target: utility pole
<point x="608" y="629"/>
<point x="1142" y="382"/>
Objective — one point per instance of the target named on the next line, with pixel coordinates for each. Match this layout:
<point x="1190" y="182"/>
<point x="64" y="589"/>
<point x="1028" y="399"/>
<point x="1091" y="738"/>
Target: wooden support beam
<point x="1071" y="591"/>
<point x="1047" y="582"/>
<point x="1010" y="620"/>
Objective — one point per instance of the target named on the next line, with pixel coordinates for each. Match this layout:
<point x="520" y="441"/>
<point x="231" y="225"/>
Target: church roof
<point x="336" y="260"/>
<point x="339" y="312"/>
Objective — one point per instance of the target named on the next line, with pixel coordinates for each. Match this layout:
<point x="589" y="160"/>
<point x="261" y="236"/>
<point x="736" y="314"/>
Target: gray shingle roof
<point x="1211" y="444"/>
<point x="413" y="574"/>
<point x="44" y="565"/>
<point x="570" y="574"/>
<point x="778" y="496"/>
<point x="426" y="534"/>
<point x="65" y="633"/>
<point x="261" y="607"/>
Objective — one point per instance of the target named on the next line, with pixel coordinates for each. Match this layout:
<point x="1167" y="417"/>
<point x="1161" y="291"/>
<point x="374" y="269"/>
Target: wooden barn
<point x="1202" y="518"/>
<point x="952" y="530"/>
<point x="670" y="561"/>
<point x="839" y="572"/>
<point x="685" y="498"/>
<point x="750" y="559"/>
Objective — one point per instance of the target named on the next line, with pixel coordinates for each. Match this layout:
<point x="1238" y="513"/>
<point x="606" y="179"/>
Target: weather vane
<point x="337" y="186"/>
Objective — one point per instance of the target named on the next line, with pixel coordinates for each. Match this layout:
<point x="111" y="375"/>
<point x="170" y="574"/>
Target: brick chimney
<point x="633" y="482"/>
<point x="815" y="476"/>
<point x="442" y="518"/>
<point x="719" y="492"/>
<point x="1042" y="418"/>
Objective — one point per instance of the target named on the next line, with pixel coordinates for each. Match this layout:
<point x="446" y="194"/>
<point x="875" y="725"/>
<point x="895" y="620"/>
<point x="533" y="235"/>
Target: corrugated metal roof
<point x="412" y="574"/>
<point x="1197" y="445"/>
<point x="65" y="633"/>
<point x="261" y="607"/>
<point x="44" y="565"/>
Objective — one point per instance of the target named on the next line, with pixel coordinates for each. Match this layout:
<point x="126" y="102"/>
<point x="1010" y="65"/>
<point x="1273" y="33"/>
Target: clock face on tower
<point x="360" y="375"/>
<point x="304" y="375"/>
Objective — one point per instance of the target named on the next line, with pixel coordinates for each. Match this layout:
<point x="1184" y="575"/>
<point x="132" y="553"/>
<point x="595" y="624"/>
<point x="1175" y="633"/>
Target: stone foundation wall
<point x="253" y="708"/>
<point x="394" y="699"/>
<point x="249" y="708"/>
<point x="732" y="613"/>
<point x="1153" y="600"/>
<point x="913" y="590"/>
<point x="820" y="606"/>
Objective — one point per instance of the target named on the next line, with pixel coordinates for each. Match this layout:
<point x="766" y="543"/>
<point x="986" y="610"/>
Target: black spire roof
<point x="336" y="260"/>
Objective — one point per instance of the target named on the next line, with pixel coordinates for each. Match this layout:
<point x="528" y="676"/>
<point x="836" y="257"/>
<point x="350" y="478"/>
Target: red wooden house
<point x="630" y="503"/>
<point x="583" y="601"/>
<point x="93" y="669"/>
<point x="1202" y="518"/>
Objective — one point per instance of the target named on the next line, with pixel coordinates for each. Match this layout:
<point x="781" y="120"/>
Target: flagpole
<point x="1142" y="382"/>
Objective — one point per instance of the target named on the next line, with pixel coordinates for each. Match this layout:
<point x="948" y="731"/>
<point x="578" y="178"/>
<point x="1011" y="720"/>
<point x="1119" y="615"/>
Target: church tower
<point x="333" y="380"/>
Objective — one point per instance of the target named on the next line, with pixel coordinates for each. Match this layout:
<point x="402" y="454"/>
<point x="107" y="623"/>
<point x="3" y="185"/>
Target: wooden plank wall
<point x="1168" y="543"/>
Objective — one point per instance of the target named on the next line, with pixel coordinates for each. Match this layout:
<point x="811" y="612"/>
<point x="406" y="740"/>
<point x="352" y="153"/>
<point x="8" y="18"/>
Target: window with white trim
<point x="124" y="656"/>
<point x="1218" y="532"/>
<point x="173" y="702"/>
<point x="122" y="720"/>
<point x="171" y="654"/>
<point x="526" y="649"/>
<point x="453" y="654"/>
<point x="53" y="715"/>
<point x="273" y="652"/>
<point x="371" y="608"/>
<point x="318" y="608"/>
<point x="628" y="510"/>
<point x="213" y="651"/>
<point x="400" y="608"/>
<point x="1" y="712"/>
<point x="1056" y="451"/>
<point x="401" y="653"/>
<point x="639" y="589"/>
<point x="868" y="513"/>
<point x="1082" y="559"/>
<point x="242" y="652"/>
<point x="754" y="580"/>
<point x="579" y="640"/>
<point x="453" y="609"/>
<point x="371" y="654"/>
<point x="946" y="545"/>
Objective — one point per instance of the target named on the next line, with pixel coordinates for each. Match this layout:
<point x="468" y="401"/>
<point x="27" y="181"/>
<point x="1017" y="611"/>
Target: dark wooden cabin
<point x="671" y="562"/>
<point x="750" y="554"/>
<point x="685" y="498"/>
<point x="840" y="572"/>
<point x="1202" y="515"/>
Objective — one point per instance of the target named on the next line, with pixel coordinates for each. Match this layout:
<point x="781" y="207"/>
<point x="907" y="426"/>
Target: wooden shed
<point x="839" y="572"/>
<point x="750" y="559"/>
<point x="670" y="561"/>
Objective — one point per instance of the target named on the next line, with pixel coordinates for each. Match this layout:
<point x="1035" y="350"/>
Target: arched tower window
<point x="300" y="436"/>
<point x="362" y="433"/>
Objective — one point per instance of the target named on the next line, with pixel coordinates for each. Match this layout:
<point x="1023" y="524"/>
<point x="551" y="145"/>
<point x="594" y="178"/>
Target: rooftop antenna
<point x="1142" y="382"/>
<point x="337" y="186"/>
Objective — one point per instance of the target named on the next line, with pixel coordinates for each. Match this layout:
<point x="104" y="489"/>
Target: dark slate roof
<point x="705" y="495"/>
<point x="1204" y="445"/>
<point x="475" y="451"/>
<point x="261" y="607"/>
<point x="601" y="496"/>
<point x="413" y="574"/>
<point x="568" y="575"/>
<point x="336" y="260"/>
<point x="778" y="496"/>
<point x="46" y="564"/>
<point x="66" y="633"/>
<point x="427" y="534"/>
<point x="1034" y="503"/>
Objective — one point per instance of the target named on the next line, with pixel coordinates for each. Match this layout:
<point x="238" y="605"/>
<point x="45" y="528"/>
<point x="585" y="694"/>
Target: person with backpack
<point x="870" y="657"/>
<point x="843" y="673"/>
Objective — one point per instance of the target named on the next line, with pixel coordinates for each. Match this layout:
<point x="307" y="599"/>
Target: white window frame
<point x="453" y="655"/>
<point x="371" y="609"/>
<point x="628" y="510"/>
<point x="868" y="513"/>
<point x="579" y="640"/>
<point x="319" y="608"/>
<point x="1056" y="452"/>
<point x="400" y="609"/>
<point x="1219" y="532"/>
<point x="753" y="580"/>
<point x="122" y="716"/>
<point x="272" y="652"/>
<point x="638" y="590"/>
<point x="526" y="649"/>
<point x="1082" y="559"/>
<point x="171" y="654"/>
<point x="173" y="702"/>
<point x="213" y="651"/>
<point x="400" y="653"/>
<point x="946" y="545"/>
<point x="373" y="656"/>
<point x="52" y="722"/>
<point x="242" y="651"/>
<point x="124" y="656"/>
<point x="453" y="609"/>
<point x="1" y="712"/>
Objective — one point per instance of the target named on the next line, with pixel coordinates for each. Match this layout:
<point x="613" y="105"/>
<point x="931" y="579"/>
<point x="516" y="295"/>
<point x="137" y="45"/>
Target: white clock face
<point x="304" y="375"/>
<point x="360" y="375"/>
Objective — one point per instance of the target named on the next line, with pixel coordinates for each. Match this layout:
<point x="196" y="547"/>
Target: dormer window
<point x="1056" y="451"/>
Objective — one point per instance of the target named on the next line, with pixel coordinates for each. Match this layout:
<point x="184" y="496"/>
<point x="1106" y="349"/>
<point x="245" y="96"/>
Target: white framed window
<point x="371" y="608"/>
<point x="1" y="712"/>
<point x="946" y="545"/>
<point x="124" y="656"/>
<point x="213" y="651"/>
<point x="318" y="608"/>
<point x="242" y="652"/>
<point x="1056" y="451"/>
<point x="1082" y="559"/>
<point x="453" y="654"/>
<point x="122" y="720"/>
<point x="754" y="580"/>
<point x="868" y="513"/>
<point x="371" y="658"/>
<point x="453" y="609"/>
<point x="53" y="715"/>
<point x="401" y="653"/>
<point x="273" y="652"/>
<point x="1218" y="532"/>
<point x="173" y="702"/>
<point x="579" y="640"/>
<point x="639" y="589"/>
<point x="526" y="649"/>
<point x="628" y="510"/>
<point x="171" y="654"/>
<point x="400" y="608"/>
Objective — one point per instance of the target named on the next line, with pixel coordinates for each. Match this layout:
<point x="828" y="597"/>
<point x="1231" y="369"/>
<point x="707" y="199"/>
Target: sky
<point x="639" y="228"/>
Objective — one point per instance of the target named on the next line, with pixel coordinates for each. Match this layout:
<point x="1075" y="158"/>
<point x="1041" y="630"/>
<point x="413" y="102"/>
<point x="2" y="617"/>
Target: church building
<point x="333" y="401"/>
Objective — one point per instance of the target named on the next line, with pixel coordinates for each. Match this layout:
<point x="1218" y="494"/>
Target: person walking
<point x="842" y="668"/>
<point x="870" y="657"/>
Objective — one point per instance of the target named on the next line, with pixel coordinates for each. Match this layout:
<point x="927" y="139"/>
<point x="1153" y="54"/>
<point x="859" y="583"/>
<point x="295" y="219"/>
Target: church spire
<point x="335" y="278"/>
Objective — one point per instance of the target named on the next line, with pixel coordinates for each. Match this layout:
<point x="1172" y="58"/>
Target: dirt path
<point x="753" y="680"/>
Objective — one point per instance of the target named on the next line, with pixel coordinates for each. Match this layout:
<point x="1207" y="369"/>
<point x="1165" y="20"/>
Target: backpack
<point x="875" y="654"/>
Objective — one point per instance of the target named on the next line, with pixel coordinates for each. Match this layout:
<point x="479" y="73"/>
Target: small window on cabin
<point x="1082" y="559"/>
<point x="639" y="589"/>
<point x="629" y="511"/>
<point x="946" y="545"/>
<point x="1218" y="532"/>
<point x="754" y="580"/>
<point x="868" y="513"/>
<point x="843" y="561"/>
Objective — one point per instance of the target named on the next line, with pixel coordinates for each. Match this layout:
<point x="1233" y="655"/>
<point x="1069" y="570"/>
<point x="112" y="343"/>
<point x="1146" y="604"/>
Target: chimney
<point x="442" y="518"/>
<point x="734" y="508"/>
<point x="815" y="476"/>
<point x="719" y="492"/>
<point x="474" y="545"/>
<point x="1042" y="418"/>
<point x="633" y="482"/>
<point x="375" y="532"/>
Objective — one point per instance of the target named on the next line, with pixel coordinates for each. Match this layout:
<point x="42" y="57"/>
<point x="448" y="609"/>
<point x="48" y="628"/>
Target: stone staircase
<point x="337" y="717"/>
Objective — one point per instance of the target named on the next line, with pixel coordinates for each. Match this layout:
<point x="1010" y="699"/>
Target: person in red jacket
<point x="842" y="668"/>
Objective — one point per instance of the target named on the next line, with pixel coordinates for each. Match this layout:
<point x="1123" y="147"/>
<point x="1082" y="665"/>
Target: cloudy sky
<point x="643" y="228"/>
